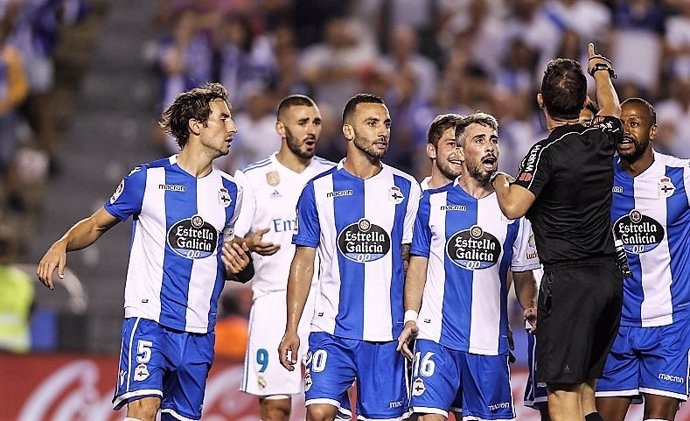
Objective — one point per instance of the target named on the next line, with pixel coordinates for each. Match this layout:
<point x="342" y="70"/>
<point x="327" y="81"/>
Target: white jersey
<point x="271" y="191"/>
<point x="471" y="246"/>
<point x="175" y="272"/>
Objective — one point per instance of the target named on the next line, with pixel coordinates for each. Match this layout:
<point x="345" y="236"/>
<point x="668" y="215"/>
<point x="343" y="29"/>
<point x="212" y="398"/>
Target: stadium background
<point x="118" y="63"/>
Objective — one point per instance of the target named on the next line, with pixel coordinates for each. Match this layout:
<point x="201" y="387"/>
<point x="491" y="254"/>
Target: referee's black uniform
<point x="571" y="175"/>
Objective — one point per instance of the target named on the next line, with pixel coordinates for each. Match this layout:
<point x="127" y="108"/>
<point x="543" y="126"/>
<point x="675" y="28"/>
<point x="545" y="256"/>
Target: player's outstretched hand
<point x="530" y="315"/>
<point x="235" y="256"/>
<point x="257" y="245"/>
<point x="287" y="350"/>
<point x="408" y="335"/>
<point x="55" y="258"/>
<point x="595" y="58"/>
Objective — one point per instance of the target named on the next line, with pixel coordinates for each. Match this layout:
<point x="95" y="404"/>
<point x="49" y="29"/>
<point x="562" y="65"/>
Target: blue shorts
<point x="648" y="360"/>
<point x="334" y="363"/>
<point x="536" y="393"/>
<point x="159" y="362"/>
<point x="440" y="375"/>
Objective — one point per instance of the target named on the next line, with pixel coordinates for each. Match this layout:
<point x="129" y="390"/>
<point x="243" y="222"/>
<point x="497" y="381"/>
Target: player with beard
<point x="442" y="149"/>
<point x="360" y="216"/>
<point x="456" y="290"/>
<point x="651" y="215"/>
<point x="267" y="221"/>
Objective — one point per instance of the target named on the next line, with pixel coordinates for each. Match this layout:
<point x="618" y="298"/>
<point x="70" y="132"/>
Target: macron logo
<point x="339" y="193"/>
<point x="171" y="187"/>
<point x="670" y="378"/>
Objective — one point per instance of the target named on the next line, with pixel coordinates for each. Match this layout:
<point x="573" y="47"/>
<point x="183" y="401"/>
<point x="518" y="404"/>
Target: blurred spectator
<point x="231" y="328"/>
<point x="332" y="67"/>
<point x="16" y="297"/>
<point x="673" y="117"/>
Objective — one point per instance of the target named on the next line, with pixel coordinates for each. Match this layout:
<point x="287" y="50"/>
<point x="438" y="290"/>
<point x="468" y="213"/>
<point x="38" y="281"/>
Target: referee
<point x="564" y="187"/>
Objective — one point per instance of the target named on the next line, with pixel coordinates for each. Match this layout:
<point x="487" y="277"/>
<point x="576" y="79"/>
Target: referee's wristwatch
<point x="603" y="66"/>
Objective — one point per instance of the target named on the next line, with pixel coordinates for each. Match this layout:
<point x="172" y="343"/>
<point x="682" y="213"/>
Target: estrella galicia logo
<point x="473" y="248"/>
<point x="363" y="242"/>
<point x="193" y="238"/>
<point x="639" y="233"/>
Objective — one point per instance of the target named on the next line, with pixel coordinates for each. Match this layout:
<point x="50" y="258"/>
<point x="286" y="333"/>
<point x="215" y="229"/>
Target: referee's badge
<point x="273" y="178"/>
<point x="665" y="187"/>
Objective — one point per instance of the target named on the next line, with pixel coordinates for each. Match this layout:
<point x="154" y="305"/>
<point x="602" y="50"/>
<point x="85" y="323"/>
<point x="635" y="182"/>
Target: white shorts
<point x="263" y="374"/>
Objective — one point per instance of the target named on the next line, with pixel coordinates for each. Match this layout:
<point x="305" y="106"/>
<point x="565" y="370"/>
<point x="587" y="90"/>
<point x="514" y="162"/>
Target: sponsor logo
<point x="193" y="238"/>
<point x="497" y="406"/>
<point x="118" y="192"/>
<point x="339" y="193"/>
<point x="617" y="189"/>
<point x="473" y="248"/>
<point x="639" y="233"/>
<point x="276" y="194"/>
<point x="285" y="225"/>
<point x="224" y="197"/>
<point x="171" y="187"/>
<point x="671" y="378"/>
<point x="363" y="242"/>
<point x="448" y="208"/>
<point x="418" y="387"/>
<point x="526" y="177"/>
<point x="396" y="195"/>
<point x="396" y="404"/>
<point x="273" y="178"/>
<point x="665" y="187"/>
<point x="141" y="373"/>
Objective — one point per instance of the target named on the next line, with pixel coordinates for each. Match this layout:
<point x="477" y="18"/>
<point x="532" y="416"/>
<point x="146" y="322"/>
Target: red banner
<point x="80" y="388"/>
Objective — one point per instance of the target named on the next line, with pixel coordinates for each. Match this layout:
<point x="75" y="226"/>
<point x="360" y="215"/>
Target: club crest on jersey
<point x="363" y="242"/>
<point x="638" y="232"/>
<point x="418" y="387"/>
<point x="273" y="178"/>
<point x="193" y="238"/>
<point x="141" y="373"/>
<point x="396" y="195"/>
<point x="118" y="192"/>
<point x="224" y="197"/>
<point x="665" y="187"/>
<point x="473" y="248"/>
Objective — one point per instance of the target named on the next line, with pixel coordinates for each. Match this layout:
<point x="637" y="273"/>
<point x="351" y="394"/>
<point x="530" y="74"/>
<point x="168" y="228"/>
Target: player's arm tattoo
<point x="405" y="250"/>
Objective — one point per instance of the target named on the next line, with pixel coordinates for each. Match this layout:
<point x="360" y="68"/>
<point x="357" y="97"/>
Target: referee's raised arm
<point x="601" y="69"/>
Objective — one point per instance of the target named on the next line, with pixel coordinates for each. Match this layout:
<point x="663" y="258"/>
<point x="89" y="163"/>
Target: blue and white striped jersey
<point x="175" y="272"/>
<point x="470" y="245"/>
<point x="359" y="227"/>
<point x="651" y="215"/>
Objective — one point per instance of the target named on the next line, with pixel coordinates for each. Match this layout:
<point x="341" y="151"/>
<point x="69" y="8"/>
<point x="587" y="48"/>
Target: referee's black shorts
<point x="578" y="315"/>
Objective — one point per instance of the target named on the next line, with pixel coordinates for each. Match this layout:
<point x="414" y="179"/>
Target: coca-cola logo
<point x="75" y="392"/>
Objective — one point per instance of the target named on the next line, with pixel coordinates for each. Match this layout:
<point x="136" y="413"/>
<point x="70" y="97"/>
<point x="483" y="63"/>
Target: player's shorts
<point x="648" y="360"/>
<point x="440" y="375"/>
<point x="154" y="359"/>
<point x="263" y="374"/>
<point x="536" y="393"/>
<point x="578" y="315"/>
<point x="334" y="363"/>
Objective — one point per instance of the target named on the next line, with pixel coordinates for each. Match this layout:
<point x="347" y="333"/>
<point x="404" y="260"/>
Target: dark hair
<point x="440" y="124"/>
<point x="193" y="104"/>
<point x="293" y="101"/>
<point x="359" y="99"/>
<point x="484" y="119"/>
<point x="651" y="111"/>
<point x="564" y="88"/>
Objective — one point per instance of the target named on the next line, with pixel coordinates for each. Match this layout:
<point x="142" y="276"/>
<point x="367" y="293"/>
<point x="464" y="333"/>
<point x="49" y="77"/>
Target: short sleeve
<point x="535" y="169"/>
<point x="525" y="255"/>
<point x="245" y="219"/>
<point x="411" y="213"/>
<point x="308" y="228"/>
<point x="421" y="240"/>
<point x="128" y="198"/>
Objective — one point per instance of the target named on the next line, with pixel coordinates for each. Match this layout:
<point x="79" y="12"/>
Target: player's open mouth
<point x="489" y="162"/>
<point x="626" y="140"/>
<point x="455" y="161"/>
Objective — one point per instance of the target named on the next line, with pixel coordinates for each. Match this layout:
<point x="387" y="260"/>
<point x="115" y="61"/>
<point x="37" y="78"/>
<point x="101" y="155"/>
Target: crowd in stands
<point x="424" y="57"/>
